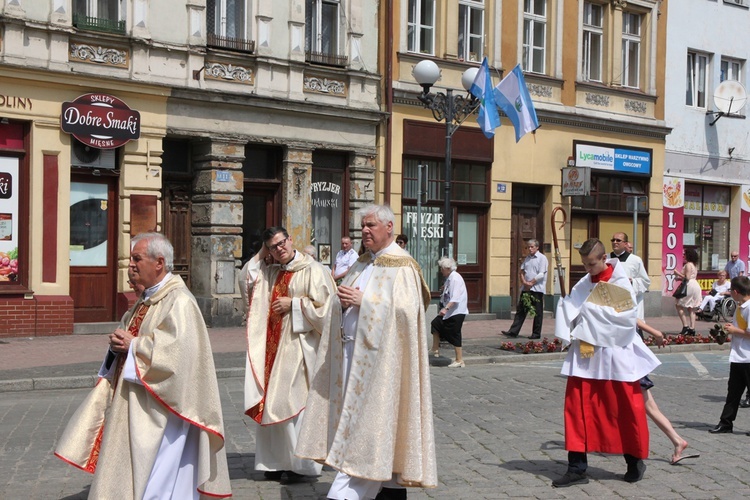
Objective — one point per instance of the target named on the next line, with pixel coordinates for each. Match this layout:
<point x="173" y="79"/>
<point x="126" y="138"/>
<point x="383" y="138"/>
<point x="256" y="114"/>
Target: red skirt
<point x="605" y="416"/>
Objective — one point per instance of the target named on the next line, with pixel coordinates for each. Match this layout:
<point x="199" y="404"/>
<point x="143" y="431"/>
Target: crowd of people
<point x="337" y="367"/>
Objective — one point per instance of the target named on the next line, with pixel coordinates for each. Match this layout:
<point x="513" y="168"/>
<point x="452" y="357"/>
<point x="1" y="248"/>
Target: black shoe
<point x="690" y="332"/>
<point x="683" y="331"/>
<point x="721" y="429"/>
<point x="745" y="403"/>
<point x="292" y="477"/>
<point x="569" y="479"/>
<point x="391" y="494"/>
<point x="635" y="472"/>
<point x="535" y="337"/>
<point x="508" y="334"/>
<point x="273" y="475"/>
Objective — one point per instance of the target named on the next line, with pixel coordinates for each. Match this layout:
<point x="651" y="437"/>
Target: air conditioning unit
<point x="83" y="155"/>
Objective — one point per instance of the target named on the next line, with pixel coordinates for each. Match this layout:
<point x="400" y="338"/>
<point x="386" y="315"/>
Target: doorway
<point x="527" y="222"/>
<point x="93" y="247"/>
<point x="470" y="241"/>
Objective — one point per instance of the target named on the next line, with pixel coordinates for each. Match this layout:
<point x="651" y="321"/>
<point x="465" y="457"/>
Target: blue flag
<point x="512" y="96"/>
<point x="489" y="118"/>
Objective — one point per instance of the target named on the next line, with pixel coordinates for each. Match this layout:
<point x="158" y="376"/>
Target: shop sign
<point x="673" y="227"/>
<point x="101" y="121"/>
<point x="707" y="201"/>
<point x="612" y="158"/>
<point x="745" y="226"/>
<point x="576" y="181"/>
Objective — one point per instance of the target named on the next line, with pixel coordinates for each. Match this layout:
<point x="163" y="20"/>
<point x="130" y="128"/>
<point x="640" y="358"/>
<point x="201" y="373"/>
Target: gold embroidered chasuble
<point x="281" y="395"/>
<point x="175" y="364"/>
<point x="385" y="424"/>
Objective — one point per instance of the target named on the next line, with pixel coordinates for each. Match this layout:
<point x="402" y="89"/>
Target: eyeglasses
<point x="616" y="240"/>
<point x="278" y="245"/>
<point x="735" y="256"/>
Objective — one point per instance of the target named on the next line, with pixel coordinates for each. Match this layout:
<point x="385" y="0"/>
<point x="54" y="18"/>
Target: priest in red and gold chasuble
<point x="156" y="407"/>
<point x="293" y="309"/>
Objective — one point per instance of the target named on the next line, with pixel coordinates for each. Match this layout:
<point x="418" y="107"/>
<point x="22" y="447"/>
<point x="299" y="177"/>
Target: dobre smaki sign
<point x="101" y="121"/>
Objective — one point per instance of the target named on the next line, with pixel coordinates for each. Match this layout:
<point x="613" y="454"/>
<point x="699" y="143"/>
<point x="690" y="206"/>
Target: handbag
<point x="681" y="290"/>
<point x="713" y="292"/>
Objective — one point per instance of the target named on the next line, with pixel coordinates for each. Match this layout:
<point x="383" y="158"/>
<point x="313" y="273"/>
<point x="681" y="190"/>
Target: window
<point x="421" y="26"/>
<point x="98" y="15"/>
<point x="707" y="224"/>
<point x="322" y="32"/>
<point x="534" y="35"/>
<point x="631" y="49"/>
<point x="697" y="79"/>
<point x="227" y="25"/>
<point x="610" y="194"/>
<point x="471" y="30"/>
<point x="731" y="69"/>
<point x="468" y="181"/>
<point x="593" y="35"/>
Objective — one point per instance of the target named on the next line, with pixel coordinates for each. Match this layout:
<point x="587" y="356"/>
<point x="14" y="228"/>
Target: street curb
<point x="85" y="381"/>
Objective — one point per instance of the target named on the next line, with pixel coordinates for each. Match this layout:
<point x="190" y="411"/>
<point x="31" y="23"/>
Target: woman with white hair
<point x="453" y="310"/>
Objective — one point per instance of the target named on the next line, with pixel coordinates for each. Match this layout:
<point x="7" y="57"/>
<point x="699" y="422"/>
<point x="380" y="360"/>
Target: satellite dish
<point x="730" y="97"/>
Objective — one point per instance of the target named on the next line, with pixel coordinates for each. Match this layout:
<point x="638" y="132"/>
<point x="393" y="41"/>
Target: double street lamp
<point x="454" y="109"/>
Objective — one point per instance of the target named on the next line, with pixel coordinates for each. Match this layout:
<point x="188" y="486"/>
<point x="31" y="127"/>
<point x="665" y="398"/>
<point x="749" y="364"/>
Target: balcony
<point x="98" y="24"/>
<point x="326" y="59"/>
<point x="229" y="43"/>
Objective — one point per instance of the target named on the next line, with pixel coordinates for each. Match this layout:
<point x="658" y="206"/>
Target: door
<point x="470" y="242"/>
<point x="178" y="225"/>
<point x="93" y="248"/>
<point x="526" y="223"/>
<point x="259" y="213"/>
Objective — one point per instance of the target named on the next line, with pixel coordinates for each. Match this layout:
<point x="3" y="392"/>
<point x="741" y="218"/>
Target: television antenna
<point x="730" y="97"/>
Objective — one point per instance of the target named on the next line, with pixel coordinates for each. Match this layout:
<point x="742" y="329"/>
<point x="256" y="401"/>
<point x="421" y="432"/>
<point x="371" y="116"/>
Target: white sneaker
<point x="457" y="364"/>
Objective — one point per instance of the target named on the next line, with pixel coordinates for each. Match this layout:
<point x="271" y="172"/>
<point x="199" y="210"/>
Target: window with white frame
<point x="322" y="31"/>
<point x="534" y="35"/>
<point x="593" y="36"/>
<point x="697" y="79"/>
<point x="99" y="15"/>
<point x="471" y="30"/>
<point x="421" y="27"/>
<point x="631" y="49"/>
<point x="731" y="69"/>
<point x="226" y="18"/>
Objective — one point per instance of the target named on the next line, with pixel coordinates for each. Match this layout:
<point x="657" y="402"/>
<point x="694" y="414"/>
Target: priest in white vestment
<point x="634" y="269"/>
<point x="380" y="437"/>
<point x="293" y="308"/>
<point x="153" y="427"/>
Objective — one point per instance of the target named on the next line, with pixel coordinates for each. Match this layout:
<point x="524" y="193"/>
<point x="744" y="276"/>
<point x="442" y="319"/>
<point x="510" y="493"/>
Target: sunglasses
<point x="616" y="240"/>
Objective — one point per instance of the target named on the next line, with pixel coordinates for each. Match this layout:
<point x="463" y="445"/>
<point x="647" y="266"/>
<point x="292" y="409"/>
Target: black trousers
<point x="536" y="330"/>
<point x="739" y="379"/>
<point x="578" y="462"/>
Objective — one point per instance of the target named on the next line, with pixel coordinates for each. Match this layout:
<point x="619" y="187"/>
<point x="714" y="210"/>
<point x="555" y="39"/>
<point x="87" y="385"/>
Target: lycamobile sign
<point x="100" y="120"/>
<point x="611" y="158"/>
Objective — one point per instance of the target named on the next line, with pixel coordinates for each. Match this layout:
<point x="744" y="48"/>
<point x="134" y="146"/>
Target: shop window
<point x="468" y="181"/>
<point x="610" y="194"/>
<point x="99" y="15"/>
<point x="421" y="27"/>
<point x="14" y="210"/>
<point x="329" y="203"/>
<point x="707" y="224"/>
<point x="471" y="30"/>
<point x="322" y="32"/>
<point x="227" y="25"/>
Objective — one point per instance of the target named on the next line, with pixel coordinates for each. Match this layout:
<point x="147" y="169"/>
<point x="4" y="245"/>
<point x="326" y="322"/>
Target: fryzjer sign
<point x="101" y="121"/>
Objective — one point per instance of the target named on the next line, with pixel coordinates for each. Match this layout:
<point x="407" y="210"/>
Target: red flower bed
<point x="555" y="345"/>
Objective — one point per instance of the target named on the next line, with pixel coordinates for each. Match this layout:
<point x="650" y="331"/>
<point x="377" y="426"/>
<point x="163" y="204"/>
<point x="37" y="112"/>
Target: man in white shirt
<point x="735" y="267"/>
<point x="345" y="259"/>
<point x="633" y="268"/>
<point x="533" y="278"/>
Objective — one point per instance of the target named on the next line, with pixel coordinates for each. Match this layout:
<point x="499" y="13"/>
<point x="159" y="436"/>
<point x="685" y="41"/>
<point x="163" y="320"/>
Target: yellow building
<point x="595" y="71"/>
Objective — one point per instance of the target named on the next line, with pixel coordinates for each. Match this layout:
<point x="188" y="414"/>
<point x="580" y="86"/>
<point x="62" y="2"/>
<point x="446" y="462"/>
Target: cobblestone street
<point x="498" y="429"/>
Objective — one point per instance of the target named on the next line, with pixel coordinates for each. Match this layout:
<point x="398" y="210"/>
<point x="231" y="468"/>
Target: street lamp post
<point x="454" y="109"/>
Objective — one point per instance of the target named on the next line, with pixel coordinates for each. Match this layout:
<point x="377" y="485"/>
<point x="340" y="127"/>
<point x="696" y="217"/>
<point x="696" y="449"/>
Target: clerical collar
<point x="622" y="257"/>
<point x="285" y="266"/>
<point x="387" y="249"/>
<point x="148" y="292"/>
<point x="604" y="275"/>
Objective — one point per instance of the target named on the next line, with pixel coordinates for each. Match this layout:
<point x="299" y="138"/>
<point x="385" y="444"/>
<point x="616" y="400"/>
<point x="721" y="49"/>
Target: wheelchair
<point x="722" y="312"/>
